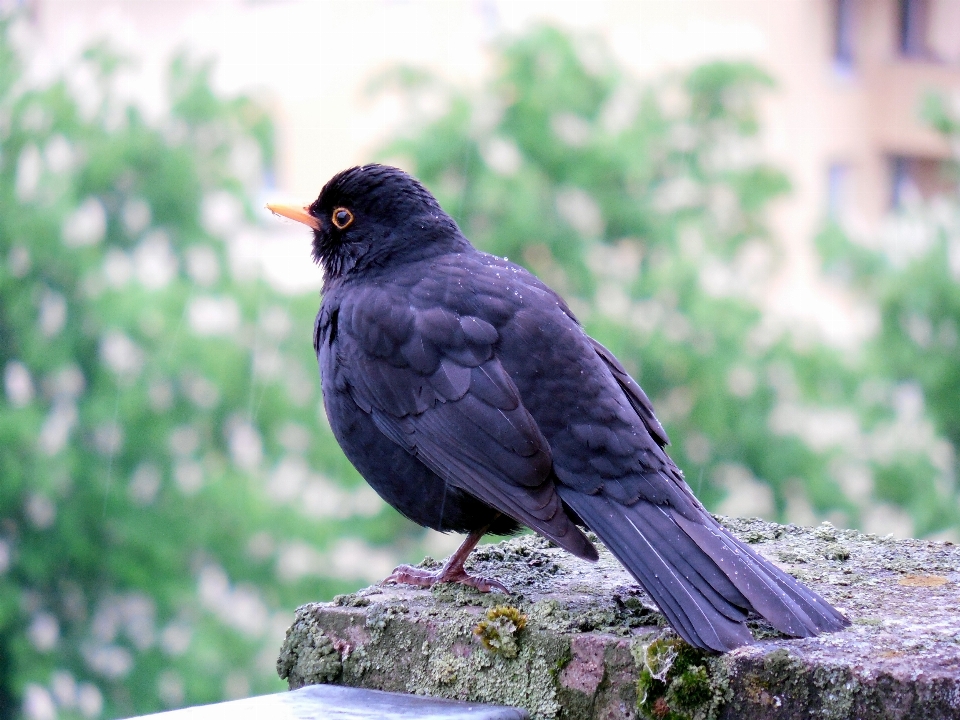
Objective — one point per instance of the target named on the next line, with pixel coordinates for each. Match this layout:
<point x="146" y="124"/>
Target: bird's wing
<point x="428" y="377"/>
<point x="635" y="394"/>
<point x="612" y="471"/>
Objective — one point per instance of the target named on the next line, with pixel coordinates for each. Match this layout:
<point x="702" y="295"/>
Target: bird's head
<point x="374" y="216"/>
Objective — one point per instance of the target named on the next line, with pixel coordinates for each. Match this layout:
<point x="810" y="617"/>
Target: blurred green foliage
<point x="915" y="278"/>
<point x="911" y="273"/>
<point x="165" y="459"/>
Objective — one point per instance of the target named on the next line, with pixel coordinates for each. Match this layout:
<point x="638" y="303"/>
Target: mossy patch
<point x="498" y="633"/>
<point x="678" y="681"/>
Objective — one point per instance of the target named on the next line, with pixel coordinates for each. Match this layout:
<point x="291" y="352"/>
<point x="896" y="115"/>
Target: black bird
<point x="467" y="394"/>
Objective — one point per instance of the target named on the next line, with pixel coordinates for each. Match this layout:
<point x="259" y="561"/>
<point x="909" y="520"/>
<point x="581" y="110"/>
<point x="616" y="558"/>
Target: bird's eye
<point x="342" y="218"/>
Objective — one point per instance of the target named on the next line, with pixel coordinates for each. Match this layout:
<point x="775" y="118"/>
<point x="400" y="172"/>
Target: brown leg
<point x="452" y="571"/>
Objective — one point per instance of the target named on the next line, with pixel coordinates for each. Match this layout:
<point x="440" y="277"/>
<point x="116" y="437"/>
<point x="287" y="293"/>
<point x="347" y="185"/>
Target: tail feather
<point x="766" y="596"/>
<point x="682" y="599"/>
<point x="703" y="579"/>
<point x="815" y="612"/>
<point x="669" y="539"/>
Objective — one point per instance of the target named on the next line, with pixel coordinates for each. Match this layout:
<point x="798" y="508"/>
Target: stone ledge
<point x="593" y="645"/>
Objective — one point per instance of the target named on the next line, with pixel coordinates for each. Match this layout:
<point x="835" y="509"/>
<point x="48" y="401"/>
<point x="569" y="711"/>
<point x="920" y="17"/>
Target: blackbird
<point x="466" y="393"/>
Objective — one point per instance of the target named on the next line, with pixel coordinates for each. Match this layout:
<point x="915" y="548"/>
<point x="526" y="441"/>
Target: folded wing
<point x="431" y="382"/>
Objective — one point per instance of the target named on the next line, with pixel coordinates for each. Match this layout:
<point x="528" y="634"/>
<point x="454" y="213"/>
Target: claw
<point x="407" y="575"/>
<point x="451" y="572"/>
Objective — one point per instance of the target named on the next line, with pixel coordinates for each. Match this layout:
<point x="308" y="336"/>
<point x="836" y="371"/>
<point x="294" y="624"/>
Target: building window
<point x="902" y="189"/>
<point x="914" y="15"/>
<point x="930" y="30"/>
<point x="838" y="190"/>
<point x="843" y="34"/>
<point x="915" y="179"/>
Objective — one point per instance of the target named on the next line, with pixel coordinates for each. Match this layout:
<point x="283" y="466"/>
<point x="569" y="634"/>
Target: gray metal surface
<point x="334" y="702"/>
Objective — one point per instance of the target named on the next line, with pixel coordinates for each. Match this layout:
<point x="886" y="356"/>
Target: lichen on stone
<point x="314" y="660"/>
<point x="449" y="664"/>
<point x="380" y="615"/>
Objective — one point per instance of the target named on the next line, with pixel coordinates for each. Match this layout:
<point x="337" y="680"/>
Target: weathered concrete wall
<point x="576" y="640"/>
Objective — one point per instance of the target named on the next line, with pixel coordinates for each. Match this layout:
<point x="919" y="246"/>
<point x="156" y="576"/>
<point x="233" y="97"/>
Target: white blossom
<point x="87" y="225"/>
<point x="154" y="262"/>
<point x="213" y="315"/>
<point x="17" y="383"/>
<point x="38" y="703"/>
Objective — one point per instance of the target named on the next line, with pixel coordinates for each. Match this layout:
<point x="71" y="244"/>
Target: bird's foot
<point x="408" y="575"/>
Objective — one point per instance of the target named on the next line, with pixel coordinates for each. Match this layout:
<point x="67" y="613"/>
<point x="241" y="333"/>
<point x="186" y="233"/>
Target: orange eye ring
<point x="341" y="218"/>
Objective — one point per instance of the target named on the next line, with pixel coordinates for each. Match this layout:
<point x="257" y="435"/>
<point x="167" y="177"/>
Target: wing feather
<point x="635" y="394"/>
<point x="449" y="402"/>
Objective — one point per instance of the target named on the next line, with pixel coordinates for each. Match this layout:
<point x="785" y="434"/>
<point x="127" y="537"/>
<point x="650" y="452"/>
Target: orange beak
<point x="301" y="215"/>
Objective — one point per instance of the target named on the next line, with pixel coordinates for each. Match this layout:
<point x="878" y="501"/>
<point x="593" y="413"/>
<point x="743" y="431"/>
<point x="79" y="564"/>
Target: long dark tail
<point x="703" y="579"/>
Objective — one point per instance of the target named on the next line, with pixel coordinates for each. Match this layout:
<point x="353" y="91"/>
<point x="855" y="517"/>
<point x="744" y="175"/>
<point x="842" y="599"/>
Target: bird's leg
<point x="451" y="572"/>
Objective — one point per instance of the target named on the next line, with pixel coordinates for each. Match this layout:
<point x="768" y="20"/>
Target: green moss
<point x="781" y="675"/>
<point x="352" y="600"/>
<point x="498" y="633"/>
<point x="826" y="531"/>
<point x="380" y="616"/>
<point x="679" y="682"/>
<point x="448" y="666"/>
<point x="463" y="595"/>
<point x="691" y="689"/>
<point x="828" y="692"/>
<point x="445" y="669"/>
<point x="836" y="688"/>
